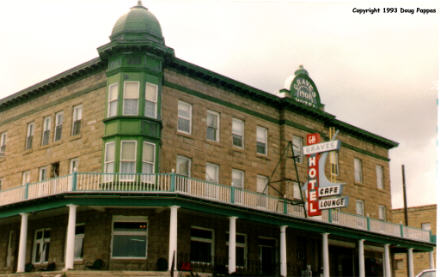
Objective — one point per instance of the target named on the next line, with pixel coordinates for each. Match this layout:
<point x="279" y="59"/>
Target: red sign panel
<point x="313" y="183"/>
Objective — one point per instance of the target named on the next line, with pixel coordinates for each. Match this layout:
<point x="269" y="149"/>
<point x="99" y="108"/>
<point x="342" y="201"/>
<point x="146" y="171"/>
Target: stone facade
<point x="416" y="217"/>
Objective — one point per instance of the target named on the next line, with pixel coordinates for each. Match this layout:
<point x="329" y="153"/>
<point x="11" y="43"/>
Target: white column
<point x="325" y="257"/>
<point x="410" y="263"/>
<point x="172" y="247"/>
<point x="283" y="256"/>
<point x="387" y="261"/>
<point x="361" y="258"/>
<point x="22" y="243"/>
<point x="431" y="259"/>
<point x="232" y="259"/>
<point x="70" y="238"/>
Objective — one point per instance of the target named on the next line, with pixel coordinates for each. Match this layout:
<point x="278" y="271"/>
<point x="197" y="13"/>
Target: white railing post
<point x="22" y="243"/>
<point x="361" y="258"/>
<point x="70" y="238"/>
<point x="325" y="257"/>
<point x="232" y="244"/>
<point x="172" y="247"/>
<point x="283" y="253"/>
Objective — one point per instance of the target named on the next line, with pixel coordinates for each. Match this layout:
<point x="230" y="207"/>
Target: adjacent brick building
<point x="138" y="160"/>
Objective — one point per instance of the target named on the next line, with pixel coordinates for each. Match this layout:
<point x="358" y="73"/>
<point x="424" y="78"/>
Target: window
<point x="46" y="131"/>
<point x="150" y="109"/>
<point x="73" y="167"/>
<point x="128" y="160"/>
<point x="358" y="171"/>
<point x="29" y="135"/>
<point x="76" y="120"/>
<point x="262" y="187"/>
<point x="3" y="143"/>
<point x="129" y="237"/>
<point x="297" y="145"/>
<point x="426" y="226"/>
<point x="184" y="117"/>
<point x="237" y="178"/>
<point x="212" y="126"/>
<point x="109" y="158"/>
<point x="202" y="245"/>
<point x="334" y="163"/>
<point x="25" y="177"/>
<point x="211" y="173"/>
<point x="79" y="242"/>
<point x="296" y="190"/>
<point x="237" y="132"/>
<point x="183" y="166"/>
<point x="379" y="176"/>
<point x="382" y="213"/>
<point x="131" y="97"/>
<point x="43" y="174"/>
<point x="261" y="140"/>
<point x="59" y="118"/>
<point x="148" y="159"/>
<point x="240" y="249"/>
<point x="112" y="105"/>
<point x="360" y="207"/>
<point x="41" y="246"/>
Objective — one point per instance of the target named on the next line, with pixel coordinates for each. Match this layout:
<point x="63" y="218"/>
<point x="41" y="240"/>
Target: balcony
<point x="166" y="183"/>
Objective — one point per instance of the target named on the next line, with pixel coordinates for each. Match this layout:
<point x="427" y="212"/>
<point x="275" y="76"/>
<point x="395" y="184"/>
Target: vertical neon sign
<point x="313" y="174"/>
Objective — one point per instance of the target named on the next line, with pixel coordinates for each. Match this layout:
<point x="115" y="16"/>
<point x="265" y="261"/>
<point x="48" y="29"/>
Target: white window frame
<point x="29" y="135"/>
<point x="262" y="199"/>
<point x="121" y="218"/>
<point x="189" y="118"/>
<point x="296" y="190"/>
<point x="238" y="132"/>
<point x="81" y="237"/>
<point x="183" y="159"/>
<point x="124" y="112"/>
<point x="111" y="99"/>
<point x="59" y="116"/>
<point x="47" y="122"/>
<point x="25" y="177"/>
<point x="426" y="226"/>
<point x="127" y="176"/>
<point x="216" y="169"/>
<point x="216" y="128"/>
<point x="382" y="212"/>
<point x="108" y="176"/>
<point x="211" y="190"/>
<point x="380" y="177"/>
<point x="205" y="240"/>
<point x="360" y="204"/>
<point x="297" y="145"/>
<point x="73" y="165"/>
<point x="2" y="143"/>
<point x="153" y="162"/>
<point x="238" y="171"/>
<point x="358" y="174"/>
<point x="241" y="245"/>
<point x="261" y="140"/>
<point x="76" y="120"/>
<point x="42" y="178"/>
<point x="42" y="242"/>
<point x="151" y="99"/>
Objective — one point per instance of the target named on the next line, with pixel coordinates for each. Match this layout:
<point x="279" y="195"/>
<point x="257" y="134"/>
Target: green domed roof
<point x="137" y="25"/>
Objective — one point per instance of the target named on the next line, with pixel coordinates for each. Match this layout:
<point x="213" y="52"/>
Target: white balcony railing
<point x="173" y="183"/>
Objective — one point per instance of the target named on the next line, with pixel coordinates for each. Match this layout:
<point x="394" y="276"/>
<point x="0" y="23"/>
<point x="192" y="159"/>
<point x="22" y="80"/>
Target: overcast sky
<point x="378" y="72"/>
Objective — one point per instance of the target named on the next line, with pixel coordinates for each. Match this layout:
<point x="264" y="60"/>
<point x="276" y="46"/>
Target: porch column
<point x="387" y="262"/>
<point x="431" y="259"/>
<point x="283" y="256"/>
<point x="232" y="259"/>
<point x="172" y="248"/>
<point x="325" y="258"/>
<point x="70" y="238"/>
<point x="361" y="258"/>
<point x="410" y="263"/>
<point x="22" y="243"/>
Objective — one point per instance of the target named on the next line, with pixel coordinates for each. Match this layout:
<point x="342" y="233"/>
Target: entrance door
<point x="268" y="255"/>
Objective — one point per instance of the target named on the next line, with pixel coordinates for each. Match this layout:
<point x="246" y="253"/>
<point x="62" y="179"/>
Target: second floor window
<point x="3" y="143"/>
<point x="212" y="126"/>
<point x="46" y="131"/>
<point x="131" y="98"/>
<point x="43" y="174"/>
<point x="184" y="115"/>
<point x="150" y="109"/>
<point x="73" y="165"/>
<point x="109" y="157"/>
<point x="183" y="166"/>
<point x="211" y="174"/>
<point x="238" y="132"/>
<point x="261" y="140"/>
<point x="360" y="207"/>
<point x="59" y="118"/>
<point x="358" y="171"/>
<point x="29" y="135"/>
<point x="148" y="154"/>
<point x="26" y="177"/>
<point x="237" y="178"/>
<point x="379" y="176"/>
<point x="128" y="157"/>
<point x="112" y="105"/>
<point x="76" y="120"/>
<point x="382" y="213"/>
<point x="297" y="145"/>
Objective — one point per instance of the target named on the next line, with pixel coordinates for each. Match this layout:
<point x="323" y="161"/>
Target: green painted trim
<point x="368" y="223"/>
<point x="263" y="116"/>
<point x="74" y="180"/>
<point x="54" y="103"/>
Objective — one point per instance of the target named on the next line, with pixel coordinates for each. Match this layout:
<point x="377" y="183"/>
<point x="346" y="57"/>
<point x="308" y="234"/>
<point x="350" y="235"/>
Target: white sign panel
<point x="330" y="190"/>
<point x="321" y="147"/>
<point x="331" y="203"/>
